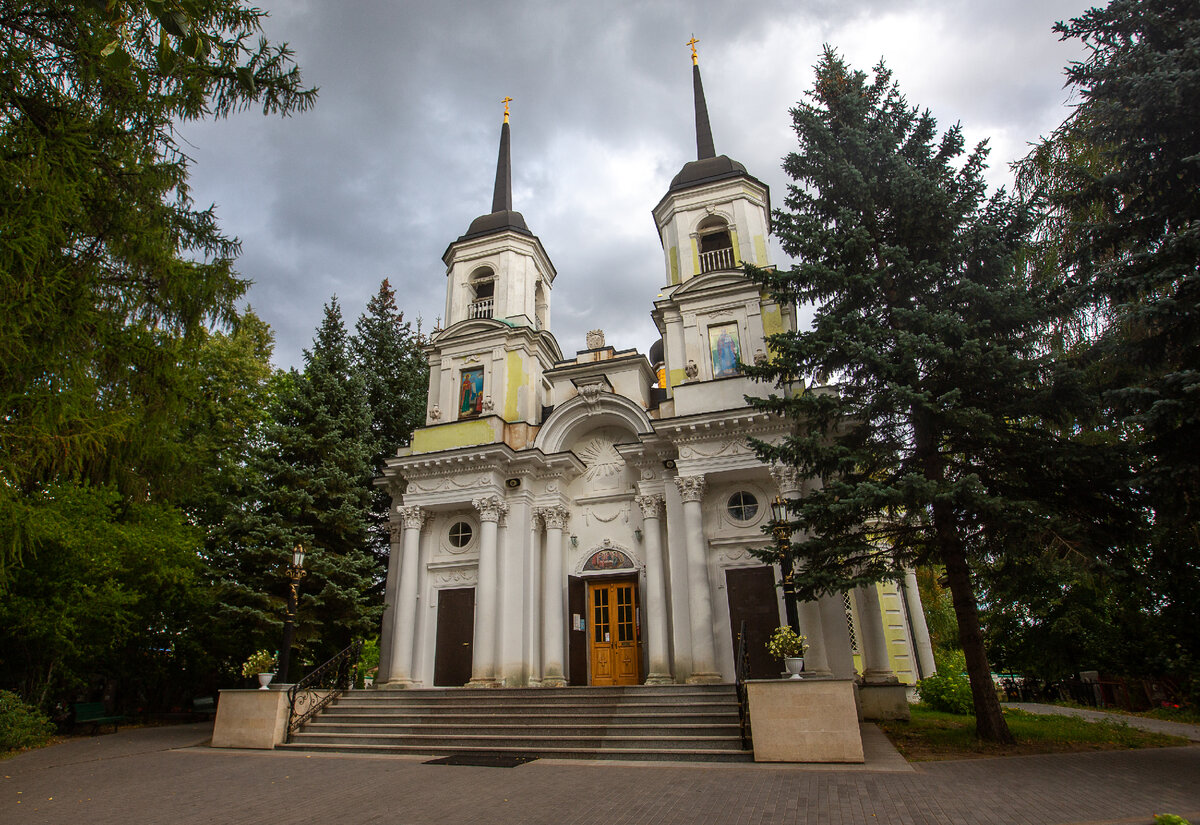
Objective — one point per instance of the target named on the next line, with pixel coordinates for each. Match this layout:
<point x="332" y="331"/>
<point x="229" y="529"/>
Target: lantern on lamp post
<point x="783" y="542"/>
<point x="295" y="572"/>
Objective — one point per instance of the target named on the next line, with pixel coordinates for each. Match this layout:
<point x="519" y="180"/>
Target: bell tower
<point x="486" y="366"/>
<point x="714" y="219"/>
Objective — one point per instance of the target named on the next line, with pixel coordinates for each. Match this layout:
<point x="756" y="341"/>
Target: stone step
<point x="613" y="690"/>
<point x="388" y="716"/>
<point x="339" y="726"/>
<point x="623" y="754"/>
<point x="525" y="743"/>
<point x="507" y="706"/>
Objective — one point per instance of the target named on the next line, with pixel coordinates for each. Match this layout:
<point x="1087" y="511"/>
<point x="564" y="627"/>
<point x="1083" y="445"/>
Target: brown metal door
<point x="455" y="634"/>
<point x="752" y="598"/>
<point x="613" y="625"/>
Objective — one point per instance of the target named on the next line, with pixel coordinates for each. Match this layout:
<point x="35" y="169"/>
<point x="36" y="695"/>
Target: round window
<point x="460" y="534"/>
<point x="742" y="506"/>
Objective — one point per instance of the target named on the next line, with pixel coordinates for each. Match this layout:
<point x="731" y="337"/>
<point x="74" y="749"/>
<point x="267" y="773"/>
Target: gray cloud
<point x="398" y="155"/>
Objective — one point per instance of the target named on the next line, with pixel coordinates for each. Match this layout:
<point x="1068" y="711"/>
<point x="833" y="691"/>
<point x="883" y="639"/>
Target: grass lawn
<point x="932" y="735"/>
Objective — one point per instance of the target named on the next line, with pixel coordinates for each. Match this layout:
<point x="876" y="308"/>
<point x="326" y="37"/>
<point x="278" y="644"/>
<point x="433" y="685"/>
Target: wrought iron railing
<point x="307" y="697"/>
<point x="742" y="673"/>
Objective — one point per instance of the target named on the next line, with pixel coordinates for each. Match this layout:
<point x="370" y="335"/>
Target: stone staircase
<point x="643" y="722"/>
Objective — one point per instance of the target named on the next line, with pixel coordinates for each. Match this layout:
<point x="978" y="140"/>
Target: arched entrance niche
<point x="610" y="577"/>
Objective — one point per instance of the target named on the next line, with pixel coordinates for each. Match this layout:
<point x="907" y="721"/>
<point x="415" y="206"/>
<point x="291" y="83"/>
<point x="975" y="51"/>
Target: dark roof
<point x="656" y="352"/>
<point x="707" y="170"/>
<point x="496" y="222"/>
<point x="502" y="217"/>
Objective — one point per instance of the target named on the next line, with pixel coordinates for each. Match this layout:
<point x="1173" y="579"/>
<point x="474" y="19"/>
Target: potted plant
<point x="788" y="645"/>
<point x="261" y="664"/>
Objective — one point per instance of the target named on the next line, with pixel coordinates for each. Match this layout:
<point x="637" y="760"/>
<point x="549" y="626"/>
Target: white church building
<point x="588" y="520"/>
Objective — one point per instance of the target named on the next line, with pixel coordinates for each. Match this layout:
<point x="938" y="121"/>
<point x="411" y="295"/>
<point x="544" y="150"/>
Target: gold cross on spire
<point x="693" y="43"/>
<point x="506" y="101"/>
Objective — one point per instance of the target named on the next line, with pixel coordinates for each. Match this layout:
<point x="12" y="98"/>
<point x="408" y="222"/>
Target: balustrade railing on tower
<point x="716" y="260"/>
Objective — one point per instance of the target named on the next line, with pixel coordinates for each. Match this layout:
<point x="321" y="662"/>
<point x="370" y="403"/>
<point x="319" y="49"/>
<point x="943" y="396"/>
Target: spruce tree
<point x="1121" y="182"/>
<point x="929" y="446"/>
<point x="310" y="486"/>
<point x="387" y="353"/>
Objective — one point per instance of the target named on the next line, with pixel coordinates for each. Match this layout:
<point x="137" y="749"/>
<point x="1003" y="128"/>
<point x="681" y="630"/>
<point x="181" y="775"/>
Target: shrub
<point x="21" y="725"/>
<point x="948" y="692"/>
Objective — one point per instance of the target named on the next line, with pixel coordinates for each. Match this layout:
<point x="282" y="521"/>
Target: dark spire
<point x="502" y="196"/>
<point x="704" y="139"/>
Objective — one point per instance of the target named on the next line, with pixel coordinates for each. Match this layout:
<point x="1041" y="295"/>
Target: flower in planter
<point x="261" y="662"/>
<point x="786" y="643"/>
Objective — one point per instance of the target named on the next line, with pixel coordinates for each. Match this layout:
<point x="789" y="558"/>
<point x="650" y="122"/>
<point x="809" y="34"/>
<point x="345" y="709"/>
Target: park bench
<point x="93" y="713"/>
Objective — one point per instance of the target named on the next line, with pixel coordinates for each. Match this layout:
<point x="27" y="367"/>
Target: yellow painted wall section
<point x="516" y="378"/>
<point x="772" y="319"/>
<point x="695" y="258"/>
<point x="678" y="377"/>
<point x="737" y="250"/>
<point x="896" y="633"/>
<point x="448" y="436"/>
<point x="674" y="254"/>
<point x="760" y="249"/>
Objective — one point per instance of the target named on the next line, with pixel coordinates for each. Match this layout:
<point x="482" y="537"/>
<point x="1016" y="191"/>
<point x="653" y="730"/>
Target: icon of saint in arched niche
<point x="470" y="392"/>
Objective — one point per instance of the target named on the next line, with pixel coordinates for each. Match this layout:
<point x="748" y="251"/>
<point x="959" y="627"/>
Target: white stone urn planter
<point x="264" y="679"/>
<point x="794" y="665"/>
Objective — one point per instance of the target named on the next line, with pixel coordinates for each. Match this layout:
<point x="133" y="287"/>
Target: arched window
<point x="483" y="291"/>
<point x="716" y="245"/>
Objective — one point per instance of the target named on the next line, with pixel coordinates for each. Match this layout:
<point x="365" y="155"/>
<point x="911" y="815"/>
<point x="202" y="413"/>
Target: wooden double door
<point x="614" y="633"/>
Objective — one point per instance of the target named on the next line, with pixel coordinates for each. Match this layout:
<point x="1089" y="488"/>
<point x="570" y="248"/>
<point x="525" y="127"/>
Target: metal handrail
<point x="741" y="674"/>
<point x="315" y="691"/>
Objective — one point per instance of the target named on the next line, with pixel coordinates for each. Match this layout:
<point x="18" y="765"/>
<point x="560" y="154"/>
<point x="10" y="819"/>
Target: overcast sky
<point x="398" y="155"/>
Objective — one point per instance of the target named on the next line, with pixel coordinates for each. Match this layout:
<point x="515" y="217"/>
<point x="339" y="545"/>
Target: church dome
<point x="503" y="220"/>
<point x="706" y="170"/>
<point x="656" y="352"/>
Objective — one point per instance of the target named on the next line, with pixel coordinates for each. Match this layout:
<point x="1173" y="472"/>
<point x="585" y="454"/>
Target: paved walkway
<point x="1191" y="732"/>
<point x="169" y="775"/>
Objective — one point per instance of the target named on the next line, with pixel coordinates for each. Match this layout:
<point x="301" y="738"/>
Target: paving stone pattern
<point x="166" y="775"/>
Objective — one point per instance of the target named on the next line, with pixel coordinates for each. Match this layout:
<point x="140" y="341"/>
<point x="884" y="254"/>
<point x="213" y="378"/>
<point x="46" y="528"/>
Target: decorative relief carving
<point x="604" y="464"/>
<point x="691" y="370"/>
<point x="787" y="477"/>
<point x="593" y="513"/>
<point x="435" y="414"/>
<point x="760" y="357"/>
<point x="490" y="508"/>
<point x="395" y="532"/>
<point x="651" y="506"/>
<point x="590" y="393"/>
<point x="595" y="338"/>
<point x="412" y="517"/>
<point x="488" y="404"/>
<point x="460" y="576"/>
<point x="732" y="556"/>
<point x="556" y="517"/>
<point x="726" y="447"/>
<point x="691" y="488"/>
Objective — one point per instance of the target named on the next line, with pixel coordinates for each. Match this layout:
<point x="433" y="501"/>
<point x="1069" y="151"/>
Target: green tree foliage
<point x="310" y="485"/>
<point x="930" y="447"/>
<point x="114" y="594"/>
<point x="387" y="354"/>
<point x="21" y="726"/>
<point x="106" y="266"/>
<point x="1121" y="180"/>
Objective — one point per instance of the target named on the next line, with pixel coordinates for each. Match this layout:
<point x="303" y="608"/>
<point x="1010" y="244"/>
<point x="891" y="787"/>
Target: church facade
<point x="587" y="520"/>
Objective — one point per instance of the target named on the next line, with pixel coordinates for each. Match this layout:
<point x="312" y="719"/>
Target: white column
<point x="704" y="668"/>
<point x="837" y="635"/>
<point x="816" y="658"/>
<point x="405" y="628"/>
<point x="553" y="610"/>
<point x="816" y="663"/>
<point x="483" y="664"/>
<point x="916" y="620"/>
<point x="391" y="596"/>
<point x="655" y="601"/>
<point x="873" y="644"/>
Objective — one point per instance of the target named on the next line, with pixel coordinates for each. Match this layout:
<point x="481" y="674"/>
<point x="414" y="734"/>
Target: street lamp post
<point x="295" y="572"/>
<point x="779" y="519"/>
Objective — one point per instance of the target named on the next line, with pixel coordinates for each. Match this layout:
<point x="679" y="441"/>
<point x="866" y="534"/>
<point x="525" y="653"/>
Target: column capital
<point x="490" y="508"/>
<point x="787" y="477"/>
<point x="691" y="488"/>
<point x="395" y="532"/>
<point x="651" y="506"/>
<point x="555" y="517"/>
<point x="413" y="518"/>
